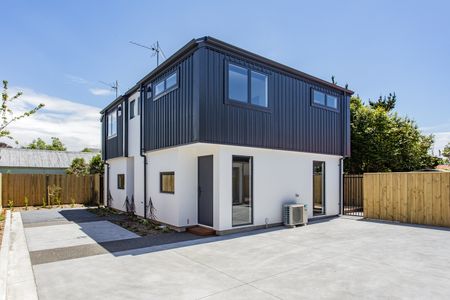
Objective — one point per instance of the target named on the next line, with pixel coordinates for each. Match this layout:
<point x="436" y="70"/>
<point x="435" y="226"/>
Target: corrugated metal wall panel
<point x="169" y="119"/>
<point x="292" y="124"/>
<point x="114" y="146"/>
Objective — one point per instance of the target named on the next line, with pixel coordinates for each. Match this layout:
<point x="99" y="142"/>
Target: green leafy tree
<point x="78" y="167"/>
<point x="86" y="150"/>
<point x="40" y="144"/>
<point x="387" y="103"/>
<point x="446" y="152"/>
<point x="96" y="165"/>
<point x="7" y="114"/>
<point x="382" y="141"/>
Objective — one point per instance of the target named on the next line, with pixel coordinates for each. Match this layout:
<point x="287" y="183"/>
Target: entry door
<point x="205" y="190"/>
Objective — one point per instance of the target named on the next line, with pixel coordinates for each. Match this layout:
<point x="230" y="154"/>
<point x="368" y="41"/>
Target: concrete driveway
<point x="340" y="258"/>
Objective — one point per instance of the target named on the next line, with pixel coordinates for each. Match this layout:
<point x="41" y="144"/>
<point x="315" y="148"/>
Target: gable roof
<point x="30" y="158"/>
<point x="207" y="40"/>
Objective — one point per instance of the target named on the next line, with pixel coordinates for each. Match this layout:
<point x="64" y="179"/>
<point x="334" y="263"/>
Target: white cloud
<point x="440" y="140"/>
<point x="100" y="91"/>
<point x="76" y="79"/>
<point x="77" y="125"/>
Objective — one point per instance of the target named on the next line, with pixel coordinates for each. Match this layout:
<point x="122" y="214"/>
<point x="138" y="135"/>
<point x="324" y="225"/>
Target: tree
<point x="40" y="144"/>
<point x="7" y="113"/>
<point x="446" y="152"/>
<point x="78" y="167"/>
<point x="387" y="103"/>
<point x="86" y="150"/>
<point x="382" y="141"/>
<point x="96" y="165"/>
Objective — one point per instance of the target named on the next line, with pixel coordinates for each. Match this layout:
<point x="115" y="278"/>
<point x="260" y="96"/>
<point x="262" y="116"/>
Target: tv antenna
<point x="114" y="86"/>
<point x="155" y="48"/>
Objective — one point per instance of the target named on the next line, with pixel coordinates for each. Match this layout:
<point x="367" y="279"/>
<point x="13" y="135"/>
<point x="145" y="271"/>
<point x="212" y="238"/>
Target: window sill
<point x="325" y="107"/>
<point x="165" y="93"/>
<point x="247" y="105"/>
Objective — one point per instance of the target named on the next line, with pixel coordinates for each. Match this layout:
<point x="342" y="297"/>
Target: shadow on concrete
<point x="111" y="238"/>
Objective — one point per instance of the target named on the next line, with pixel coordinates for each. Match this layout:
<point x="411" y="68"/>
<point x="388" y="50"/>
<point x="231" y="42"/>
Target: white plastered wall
<point x="120" y="165"/>
<point x="277" y="177"/>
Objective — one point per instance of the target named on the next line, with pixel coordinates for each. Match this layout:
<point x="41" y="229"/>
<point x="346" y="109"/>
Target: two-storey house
<point x="221" y="137"/>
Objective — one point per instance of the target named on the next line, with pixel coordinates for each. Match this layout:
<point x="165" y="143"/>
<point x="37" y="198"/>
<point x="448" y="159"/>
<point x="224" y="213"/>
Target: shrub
<point x="11" y="204"/>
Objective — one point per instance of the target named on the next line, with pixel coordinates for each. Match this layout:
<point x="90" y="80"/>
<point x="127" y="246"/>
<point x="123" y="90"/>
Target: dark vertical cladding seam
<point x="141" y="128"/>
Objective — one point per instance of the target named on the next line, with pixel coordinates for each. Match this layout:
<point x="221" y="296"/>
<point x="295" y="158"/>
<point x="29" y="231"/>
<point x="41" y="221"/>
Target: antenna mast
<point x="114" y="86"/>
<point x="155" y="48"/>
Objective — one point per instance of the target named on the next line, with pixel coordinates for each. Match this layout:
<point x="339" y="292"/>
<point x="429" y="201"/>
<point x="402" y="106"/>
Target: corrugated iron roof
<point x="30" y="158"/>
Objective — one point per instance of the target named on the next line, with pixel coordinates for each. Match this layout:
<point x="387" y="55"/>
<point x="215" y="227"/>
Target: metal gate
<point x="353" y="195"/>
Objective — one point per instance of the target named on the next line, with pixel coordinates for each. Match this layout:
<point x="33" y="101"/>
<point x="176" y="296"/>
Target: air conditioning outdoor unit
<point x="295" y="214"/>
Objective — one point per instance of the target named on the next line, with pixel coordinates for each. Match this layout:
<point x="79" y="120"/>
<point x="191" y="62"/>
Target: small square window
<point x="171" y="81"/>
<point x="332" y="101"/>
<point x="112" y="123"/>
<point x="259" y="89"/>
<point x="318" y="97"/>
<point x="159" y="88"/>
<point x="237" y="83"/>
<point x="167" y="182"/>
<point x="121" y="181"/>
<point x="132" y="109"/>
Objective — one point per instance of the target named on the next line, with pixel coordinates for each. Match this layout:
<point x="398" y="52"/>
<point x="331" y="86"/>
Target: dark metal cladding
<point x="114" y="147"/>
<point x="197" y="111"/>
<point x="291" y="123"/>
<point x="169" y="119"/>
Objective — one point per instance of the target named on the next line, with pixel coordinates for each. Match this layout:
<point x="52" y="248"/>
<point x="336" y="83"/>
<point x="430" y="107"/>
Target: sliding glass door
<point x="318" y="188"/>
<point x="242" y="181"/>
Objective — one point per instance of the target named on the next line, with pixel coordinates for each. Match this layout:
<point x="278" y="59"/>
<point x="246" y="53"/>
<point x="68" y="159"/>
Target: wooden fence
<point x="80" y="190"/>
<point x="418" y="198"/>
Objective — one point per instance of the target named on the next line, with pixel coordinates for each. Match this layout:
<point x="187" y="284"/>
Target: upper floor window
<point x="326" y="100"/>
<point x="132" y="109"/>
<point x="247" y="86"/>
<point x="112" y="123"/>
<point x="166" y="85"/>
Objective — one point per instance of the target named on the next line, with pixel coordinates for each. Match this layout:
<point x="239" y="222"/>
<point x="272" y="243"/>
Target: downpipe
<point x="142" y="154"/>
<point x="107" y="184"/>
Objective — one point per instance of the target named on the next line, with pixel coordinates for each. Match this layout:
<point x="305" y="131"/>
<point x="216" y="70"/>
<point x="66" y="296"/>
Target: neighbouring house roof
<point x="29" y="158"/>
<point x="443" y="167"/>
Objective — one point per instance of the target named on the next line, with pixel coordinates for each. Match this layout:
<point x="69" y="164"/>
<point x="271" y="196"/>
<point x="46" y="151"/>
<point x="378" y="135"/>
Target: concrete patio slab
<point x="161" y="275"/>
<point x="337" y="258"/>
<point x="74" y="234"/>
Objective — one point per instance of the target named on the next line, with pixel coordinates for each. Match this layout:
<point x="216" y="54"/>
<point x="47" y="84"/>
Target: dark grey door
<point x="205" y="190"/>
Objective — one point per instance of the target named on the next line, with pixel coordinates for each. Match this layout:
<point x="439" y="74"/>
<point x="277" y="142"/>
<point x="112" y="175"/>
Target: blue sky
<point x="59" y="50"/>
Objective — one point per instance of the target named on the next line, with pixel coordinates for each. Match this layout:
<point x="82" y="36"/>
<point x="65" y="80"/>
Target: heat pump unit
<point x="295" y="214"/>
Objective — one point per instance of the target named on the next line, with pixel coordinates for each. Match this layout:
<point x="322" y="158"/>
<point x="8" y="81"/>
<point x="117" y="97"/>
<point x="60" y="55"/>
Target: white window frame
<point x="166" y="89"/>
<point x="111" y="120"/>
